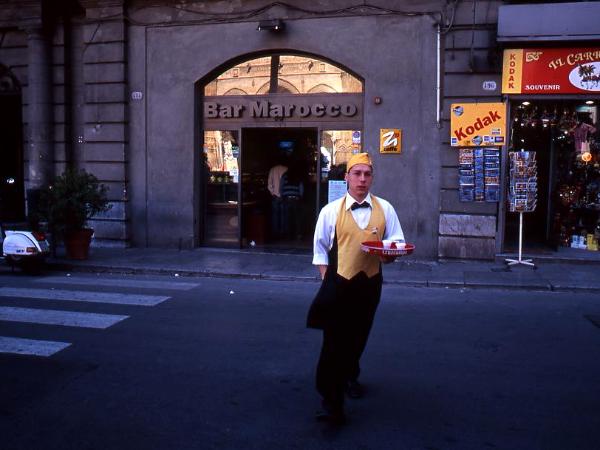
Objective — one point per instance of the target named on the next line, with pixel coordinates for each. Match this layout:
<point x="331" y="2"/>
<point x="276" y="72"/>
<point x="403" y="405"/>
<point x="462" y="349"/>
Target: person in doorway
<point x="292" y="191"/>
<point x="274" y="186"/>
<point x="345" y="305"/>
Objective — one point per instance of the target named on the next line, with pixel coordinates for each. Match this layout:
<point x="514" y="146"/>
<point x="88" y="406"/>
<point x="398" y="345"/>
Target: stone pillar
<point x="77" y="86"/>
<point x="39" y="150"/>
<point x="105" y="114"/>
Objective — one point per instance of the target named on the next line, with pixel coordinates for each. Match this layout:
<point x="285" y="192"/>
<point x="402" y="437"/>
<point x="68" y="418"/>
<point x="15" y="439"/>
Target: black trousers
<point x="346" y="335"/>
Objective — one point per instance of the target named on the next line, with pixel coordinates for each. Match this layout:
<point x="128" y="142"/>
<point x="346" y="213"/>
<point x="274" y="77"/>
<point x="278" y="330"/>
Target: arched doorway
<point x="273" y="128"/>
<point x="12" y="203"/>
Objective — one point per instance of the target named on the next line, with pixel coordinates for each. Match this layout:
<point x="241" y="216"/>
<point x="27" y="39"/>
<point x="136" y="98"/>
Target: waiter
<point x="345" y="305"/>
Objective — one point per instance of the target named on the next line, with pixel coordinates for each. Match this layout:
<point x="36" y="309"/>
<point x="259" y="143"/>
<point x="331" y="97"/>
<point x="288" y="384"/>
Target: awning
<point x="549" y="22"/>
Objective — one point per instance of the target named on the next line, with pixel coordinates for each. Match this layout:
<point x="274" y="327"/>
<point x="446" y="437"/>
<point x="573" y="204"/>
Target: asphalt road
<point x="207" y="363"/>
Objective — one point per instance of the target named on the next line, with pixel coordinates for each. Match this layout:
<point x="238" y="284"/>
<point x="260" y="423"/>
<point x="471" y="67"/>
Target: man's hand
<point x="322" y="271"/>
<point x="386" y="259"/>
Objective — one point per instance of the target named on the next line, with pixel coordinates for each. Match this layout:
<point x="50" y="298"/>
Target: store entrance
<point x="564" y="136"/>
<point x="279" y="187"/>
<point x="262" y="187"/>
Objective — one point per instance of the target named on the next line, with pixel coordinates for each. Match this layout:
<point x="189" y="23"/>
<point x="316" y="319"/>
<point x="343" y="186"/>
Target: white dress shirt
<point x="325" y="228"/>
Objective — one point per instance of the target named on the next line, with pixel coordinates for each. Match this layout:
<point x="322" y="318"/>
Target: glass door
<point x="221" y="159"/>
<point x="279" y="187"/>
<point x="337" y="146"/>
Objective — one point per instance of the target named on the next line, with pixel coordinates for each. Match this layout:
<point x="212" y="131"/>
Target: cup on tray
<point x="388" y="244"/>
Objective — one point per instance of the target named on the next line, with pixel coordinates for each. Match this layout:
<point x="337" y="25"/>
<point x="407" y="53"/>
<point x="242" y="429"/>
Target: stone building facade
<point x="118" y="87"/>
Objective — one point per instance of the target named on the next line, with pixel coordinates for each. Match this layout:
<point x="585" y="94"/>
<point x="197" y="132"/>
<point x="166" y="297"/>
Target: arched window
<point x="285" y="87"/>
<point x="283" y="73"/>
<point x="235" y="91"/>
<point x="321" y="89"/>
<point x="264" y="89"/>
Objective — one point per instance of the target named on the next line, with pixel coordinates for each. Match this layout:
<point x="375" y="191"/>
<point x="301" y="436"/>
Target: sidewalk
<point x="407" y="271"/>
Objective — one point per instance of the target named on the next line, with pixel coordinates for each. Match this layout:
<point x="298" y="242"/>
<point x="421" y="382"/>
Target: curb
<point x="91" y="268"/>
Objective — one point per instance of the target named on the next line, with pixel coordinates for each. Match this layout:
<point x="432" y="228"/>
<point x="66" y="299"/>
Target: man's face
<point x="359" y="180"/>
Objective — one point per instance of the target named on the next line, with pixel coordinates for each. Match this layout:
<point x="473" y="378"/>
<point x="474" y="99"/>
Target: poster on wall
<point x="466" y="175"/>
<point x="479" y="174"/>
<point x="390" y="140"/>
<point x="477" y="124"/>
<point x="492" y="174"/>
<point x="337" y="189"/>
<point x="551" y="71"/>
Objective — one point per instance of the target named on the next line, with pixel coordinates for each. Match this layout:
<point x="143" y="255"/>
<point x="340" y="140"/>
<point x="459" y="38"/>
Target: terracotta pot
<point x="77" y="243"/>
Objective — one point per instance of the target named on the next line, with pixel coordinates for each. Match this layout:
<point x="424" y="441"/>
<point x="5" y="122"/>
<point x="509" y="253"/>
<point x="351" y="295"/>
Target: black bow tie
<point x="357" y="205"/>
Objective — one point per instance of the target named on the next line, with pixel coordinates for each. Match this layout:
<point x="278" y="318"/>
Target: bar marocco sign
<point x="284" y="107"/>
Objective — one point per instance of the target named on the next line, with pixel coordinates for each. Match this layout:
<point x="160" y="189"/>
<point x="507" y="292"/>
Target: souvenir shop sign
<point x="477" y="124"/>
<point x="551" y="71"/>
<point x="390" y="140"/>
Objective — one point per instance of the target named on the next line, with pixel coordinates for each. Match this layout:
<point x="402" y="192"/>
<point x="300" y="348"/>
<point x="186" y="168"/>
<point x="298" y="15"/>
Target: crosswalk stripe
<point x="144" y="284"/>
<point x="84" y="296"/>
<point x="21" y="346"/>
<point x="56" y="317"/>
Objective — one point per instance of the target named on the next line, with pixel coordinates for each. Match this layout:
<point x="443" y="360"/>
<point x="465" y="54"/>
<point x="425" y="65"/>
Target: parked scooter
<point x="24" y="249"/>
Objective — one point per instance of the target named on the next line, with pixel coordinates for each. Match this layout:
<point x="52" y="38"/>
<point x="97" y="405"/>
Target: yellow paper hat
<point x="359" y="158"/>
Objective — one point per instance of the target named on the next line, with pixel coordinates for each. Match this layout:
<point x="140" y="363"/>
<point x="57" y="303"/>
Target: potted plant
<point x="67" y="204"/>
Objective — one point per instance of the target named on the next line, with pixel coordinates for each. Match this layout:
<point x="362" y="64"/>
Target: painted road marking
<point x="21" y="346"/>
<point x="56" y="317"/>
<point x="133" y="283"/>
<point x="84" y="296"/>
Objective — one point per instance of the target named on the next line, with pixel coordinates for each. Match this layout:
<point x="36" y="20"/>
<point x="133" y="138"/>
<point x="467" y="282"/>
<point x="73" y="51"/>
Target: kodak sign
<point x="512" y="71"/>
<point x="477" y="124"/>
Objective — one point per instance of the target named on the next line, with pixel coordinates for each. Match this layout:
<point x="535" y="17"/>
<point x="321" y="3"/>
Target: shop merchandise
<point x="522" y="191"/>
<point x="581" y="134"/>
<point x="479" y="174"/>
<point x="565" y="136"/>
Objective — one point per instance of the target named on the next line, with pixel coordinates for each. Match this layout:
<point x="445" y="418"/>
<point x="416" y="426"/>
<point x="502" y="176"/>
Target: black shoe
<point x="354" y="389"/>
<point x="332" y="416"/>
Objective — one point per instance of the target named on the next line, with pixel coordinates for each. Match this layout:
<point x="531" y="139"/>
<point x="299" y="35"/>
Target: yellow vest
<point x="351" y="259"/>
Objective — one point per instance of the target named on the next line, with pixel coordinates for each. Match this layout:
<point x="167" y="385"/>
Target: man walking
<point x="345" y="305"/>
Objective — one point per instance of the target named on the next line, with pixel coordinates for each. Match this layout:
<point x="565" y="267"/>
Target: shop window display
<point x="337" y="147"/>
<point x="221" y="172"/>
<point x="566" y="138"/>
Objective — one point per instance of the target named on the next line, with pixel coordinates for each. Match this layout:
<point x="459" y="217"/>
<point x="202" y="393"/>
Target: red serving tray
<point x="376" y="248"/>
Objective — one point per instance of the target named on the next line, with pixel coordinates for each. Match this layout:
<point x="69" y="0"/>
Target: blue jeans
<point x="278" y="217"/>
<point x="293" y="216"/>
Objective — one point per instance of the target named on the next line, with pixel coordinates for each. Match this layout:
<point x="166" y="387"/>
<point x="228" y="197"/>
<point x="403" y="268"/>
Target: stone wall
<point x="72" y="72"/>
<point x="105" y="123"/>
<point x="177" y="56"/>
<point x="143" y="149"/>
<point x="471" y="56"/>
